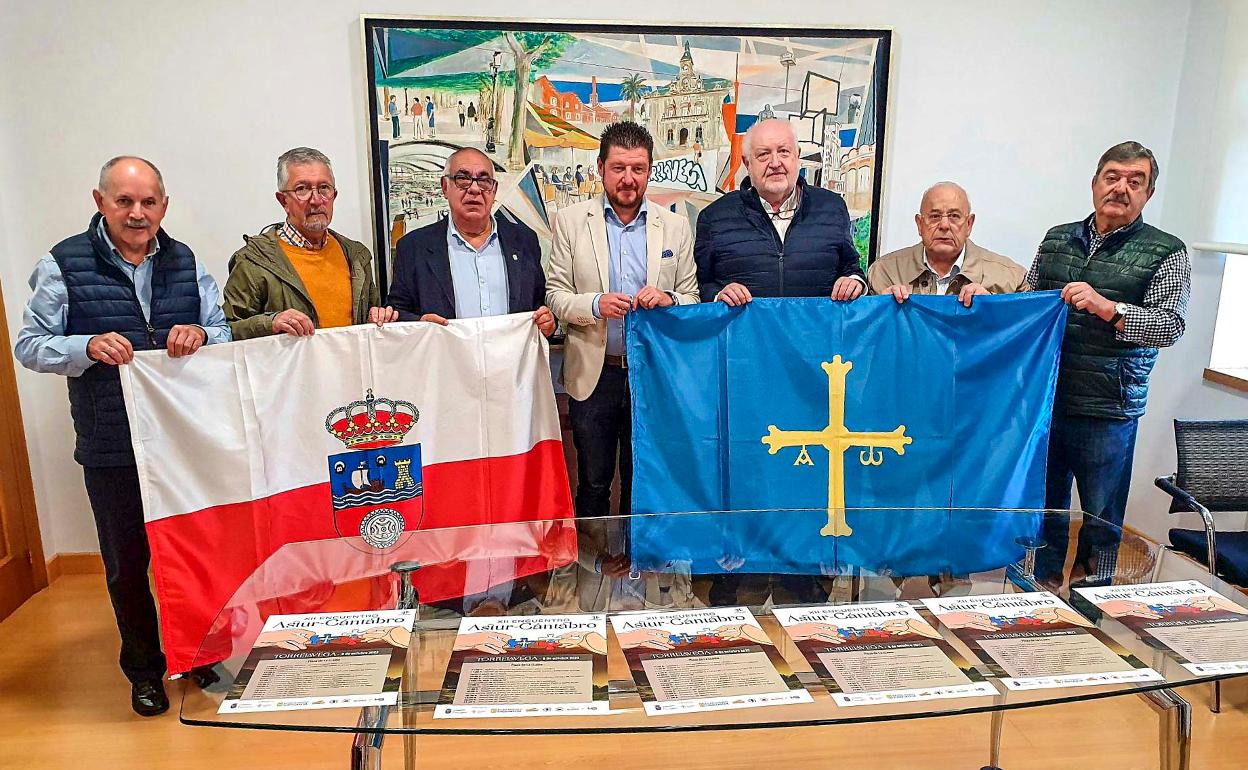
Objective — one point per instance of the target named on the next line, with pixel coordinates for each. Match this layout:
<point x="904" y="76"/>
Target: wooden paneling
<point x="22" y="571"/>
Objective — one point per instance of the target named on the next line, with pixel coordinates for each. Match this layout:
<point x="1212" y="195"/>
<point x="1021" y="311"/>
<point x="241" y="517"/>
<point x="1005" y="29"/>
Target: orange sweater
<point x="328" y="280"/>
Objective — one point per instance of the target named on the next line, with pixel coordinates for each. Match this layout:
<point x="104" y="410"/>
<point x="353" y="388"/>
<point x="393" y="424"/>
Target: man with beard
<point x="122" y="285"/>
<point x="1127" y="284"/>
<point x="777" y="236"/>
<point x="300" y="275"/>
<point x="612" y="255"/>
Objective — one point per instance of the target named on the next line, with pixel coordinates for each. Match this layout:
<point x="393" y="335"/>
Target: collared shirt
<point x="626" y="265"/>
<point x="42" y="344"/>
<point x="479" y="275"/>
<point x="943" y="282"/>
<point x="997" y="273"/>
<point x="292" y="237"/>
<point x="782" y="217"/>
<point x="1162" y="317"/>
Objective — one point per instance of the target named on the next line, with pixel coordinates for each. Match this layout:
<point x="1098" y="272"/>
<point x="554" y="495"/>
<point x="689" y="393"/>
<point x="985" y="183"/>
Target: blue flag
<point x="813" y="404"/>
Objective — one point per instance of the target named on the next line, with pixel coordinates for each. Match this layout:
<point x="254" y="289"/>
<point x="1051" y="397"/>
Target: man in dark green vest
<point x="1127" y="284"/>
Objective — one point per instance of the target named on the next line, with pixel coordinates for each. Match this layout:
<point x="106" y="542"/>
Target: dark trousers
<point x="1096" y="455"/>
<point x="118" y="509"/>
<point x="394" y="123"/>
<point x="602" y="432"/>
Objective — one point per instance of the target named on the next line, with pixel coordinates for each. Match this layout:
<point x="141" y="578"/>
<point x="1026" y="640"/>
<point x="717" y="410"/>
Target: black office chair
<point x="1212" y="476"/>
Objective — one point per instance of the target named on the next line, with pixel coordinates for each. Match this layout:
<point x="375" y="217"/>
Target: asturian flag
<point x="359" y="431"/>
<point x="826" y="407"/>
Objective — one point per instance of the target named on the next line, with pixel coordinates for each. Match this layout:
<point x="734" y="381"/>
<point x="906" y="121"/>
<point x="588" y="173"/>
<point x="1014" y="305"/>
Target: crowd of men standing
<point x="125" y="285"/>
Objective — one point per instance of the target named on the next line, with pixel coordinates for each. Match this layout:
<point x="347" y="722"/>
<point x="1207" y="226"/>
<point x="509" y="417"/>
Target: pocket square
<point x="667" y="254"/>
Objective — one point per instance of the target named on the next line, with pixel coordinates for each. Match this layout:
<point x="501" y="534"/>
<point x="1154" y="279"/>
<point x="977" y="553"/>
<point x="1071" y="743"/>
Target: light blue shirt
<point x="42" y="344"/>
<point x="479" y="276"/>
<point x="626" y="265"/>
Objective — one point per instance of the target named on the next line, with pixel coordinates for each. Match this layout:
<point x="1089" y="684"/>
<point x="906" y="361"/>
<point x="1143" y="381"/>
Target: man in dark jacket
<point x="777" y="236"/>
<point x="1127" y="284"/>
<point x="472" y="264"/>
<point x="97" y="297"/>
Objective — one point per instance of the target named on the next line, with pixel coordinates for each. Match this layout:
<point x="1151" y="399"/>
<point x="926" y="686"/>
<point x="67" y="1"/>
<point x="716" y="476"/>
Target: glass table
<point x="758" y="559"/>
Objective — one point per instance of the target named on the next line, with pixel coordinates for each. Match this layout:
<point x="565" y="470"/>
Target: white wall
<point x="1205" y="173"/>
<point x="1014" y="99"/>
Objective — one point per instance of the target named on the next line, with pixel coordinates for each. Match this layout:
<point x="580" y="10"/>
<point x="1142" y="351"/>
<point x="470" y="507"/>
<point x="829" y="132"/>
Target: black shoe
<point x="203" y="676"/>
<point x="147" y="698"/>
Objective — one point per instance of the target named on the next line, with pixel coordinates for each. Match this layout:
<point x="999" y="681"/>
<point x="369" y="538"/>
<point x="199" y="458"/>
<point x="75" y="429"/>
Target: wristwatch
<point x="1120" y="309"/>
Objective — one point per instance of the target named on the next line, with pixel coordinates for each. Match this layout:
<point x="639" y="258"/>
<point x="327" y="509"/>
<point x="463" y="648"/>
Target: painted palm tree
<point x="633" y="88"/>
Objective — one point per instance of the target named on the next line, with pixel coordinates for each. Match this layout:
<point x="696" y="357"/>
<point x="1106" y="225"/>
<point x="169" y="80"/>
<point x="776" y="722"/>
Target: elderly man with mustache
<point x="97" y="297"/>
<point x="1128" y="284"/>
<point x="300" y="275"/>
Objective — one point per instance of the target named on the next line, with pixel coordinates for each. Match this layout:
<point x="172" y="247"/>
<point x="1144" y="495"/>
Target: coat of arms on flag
<point x="376" y="489"/>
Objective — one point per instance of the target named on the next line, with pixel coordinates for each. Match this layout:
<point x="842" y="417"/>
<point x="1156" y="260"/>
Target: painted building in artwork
<point x="686" y="112"/>
<point x="858" y="162"/>
<point x="569" y="106"/>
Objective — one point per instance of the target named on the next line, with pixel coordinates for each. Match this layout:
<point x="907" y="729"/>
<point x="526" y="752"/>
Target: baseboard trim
<point x="87" y="563"/>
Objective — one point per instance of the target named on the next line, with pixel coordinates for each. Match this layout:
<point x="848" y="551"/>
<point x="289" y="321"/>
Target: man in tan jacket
<point x="612" y="255"/>
<point x="946" y="261"/>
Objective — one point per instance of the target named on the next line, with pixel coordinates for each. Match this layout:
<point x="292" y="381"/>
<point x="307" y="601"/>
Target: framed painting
<point x="535" y="96"/>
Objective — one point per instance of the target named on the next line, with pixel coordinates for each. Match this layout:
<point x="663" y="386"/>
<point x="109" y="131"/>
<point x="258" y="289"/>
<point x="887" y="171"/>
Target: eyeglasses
<point x="955" y="218"/>
<point x="464" y="181"/>
<point x="784" y="213"/>
<point x="304" y="192"/>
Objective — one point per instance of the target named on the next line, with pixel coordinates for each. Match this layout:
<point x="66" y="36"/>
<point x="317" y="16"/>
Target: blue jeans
<point x="1095" y="454"/>
<point x="394" y="123"/>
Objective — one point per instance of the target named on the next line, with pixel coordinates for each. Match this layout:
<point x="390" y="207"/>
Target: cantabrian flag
<point x="353" y="432"/>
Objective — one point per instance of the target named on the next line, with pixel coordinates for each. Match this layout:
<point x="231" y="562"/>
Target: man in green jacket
<point x="300" y="275"/>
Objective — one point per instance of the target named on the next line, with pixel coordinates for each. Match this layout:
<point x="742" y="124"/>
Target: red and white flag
<point x="358" y="431"/>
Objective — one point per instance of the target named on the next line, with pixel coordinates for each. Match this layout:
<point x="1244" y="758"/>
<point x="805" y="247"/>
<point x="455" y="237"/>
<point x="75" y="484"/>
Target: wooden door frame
<point x="14" y="444"/>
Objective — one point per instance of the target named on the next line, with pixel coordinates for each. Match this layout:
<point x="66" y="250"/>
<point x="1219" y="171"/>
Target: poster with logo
<point x="1205" y="631"/>
<point x="542" y="665"/>
<point x="879" y="652"/>
<point x="325" y="660"/>
<point x="704" y="660"/>
<point x="1034" y="641"/>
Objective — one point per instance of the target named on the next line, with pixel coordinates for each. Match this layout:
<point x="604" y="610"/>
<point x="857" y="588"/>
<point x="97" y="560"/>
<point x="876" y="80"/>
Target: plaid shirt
<point x="292" y="237"/>
<point x="1160" y="321"/>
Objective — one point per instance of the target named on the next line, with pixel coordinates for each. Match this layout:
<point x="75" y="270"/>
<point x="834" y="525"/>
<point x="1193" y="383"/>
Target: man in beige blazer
<point x="614" y="254"/>
<point x="945" y="261"/>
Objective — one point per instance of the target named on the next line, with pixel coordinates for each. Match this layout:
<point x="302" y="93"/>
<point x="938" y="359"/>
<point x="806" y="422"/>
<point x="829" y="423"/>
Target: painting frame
<point x="866" y="227"/>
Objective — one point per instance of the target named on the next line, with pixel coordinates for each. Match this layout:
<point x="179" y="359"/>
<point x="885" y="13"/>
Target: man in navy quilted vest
<point x="777" y="236"/>
<point x="1127" y="284"/>
<point x="97" y="297"/>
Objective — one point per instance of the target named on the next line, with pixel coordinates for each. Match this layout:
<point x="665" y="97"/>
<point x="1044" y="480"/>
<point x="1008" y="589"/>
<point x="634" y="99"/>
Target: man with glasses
<point x="612" y="255"/>
<point x="776" y="236"/>
<point x="473" y="264"/>
<point x="300" y="275"/>
<point x="945" y="261"/>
